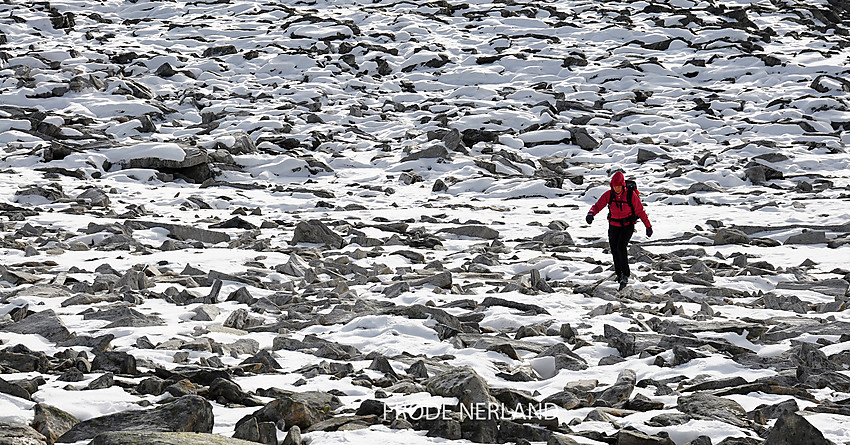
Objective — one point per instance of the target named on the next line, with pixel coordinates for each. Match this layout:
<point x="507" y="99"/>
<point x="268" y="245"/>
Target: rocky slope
<point x="359" y="221"/>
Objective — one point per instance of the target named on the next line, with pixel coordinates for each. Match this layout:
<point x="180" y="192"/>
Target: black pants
<point x="618" y="241"/>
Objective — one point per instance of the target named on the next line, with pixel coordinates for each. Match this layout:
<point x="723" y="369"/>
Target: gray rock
<point x="160" y="438"/>
<point x="44" y="323"/>
<point x="565" y="358"/>
<point x="241" y="319"/>
<point x="316" y="232"/>
<point x="436" y="151"/>
<point x="206" y="312"/>
<point x="104" y="381"/>
<point x="472" y="231"/>
<point x="807" y="237"/>
<point x="14" y="434"/>
<point x="793" y="429"/>
<point x="186" y="414"/>
<point x="13" y="389"/>
<point x="730" y="236"/>
<point x="250" y="430"/>
<point x="560" y="439"/>
<point x="115" y="362"/>
<point x="834" y="287"/>
<point x="620" y="391"/>
<point x="52" y="422"/>
<point x="124" y="317"/>
<point x="302" y="409"/>
<point x="293" y="436"/>
<point x="464" y="384"/>
<point x="182" y="232"/>
<point x="94" y="197"/>
<point x="710" y="407"/>
<point x="627" y="437"/>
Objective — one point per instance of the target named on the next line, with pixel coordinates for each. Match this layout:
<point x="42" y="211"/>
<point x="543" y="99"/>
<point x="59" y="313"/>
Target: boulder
<point x="316" y="232"/>
<point x="14" y="434"/>
<point x="186" y="414"/>
<point x="464" y="384"/>
<point x="160" y="438"/>
<point x="792" y="429"/>
<point x="45" y="323"/>
<point x="711" y="407"/>
<point x="52" y="422"/>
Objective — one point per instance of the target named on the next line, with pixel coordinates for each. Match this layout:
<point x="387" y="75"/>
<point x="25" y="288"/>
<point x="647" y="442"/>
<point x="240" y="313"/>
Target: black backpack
<point x="631" y="188"/>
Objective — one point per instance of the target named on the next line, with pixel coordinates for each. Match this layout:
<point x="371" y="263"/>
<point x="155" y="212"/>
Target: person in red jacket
<point x="622" y="216"/>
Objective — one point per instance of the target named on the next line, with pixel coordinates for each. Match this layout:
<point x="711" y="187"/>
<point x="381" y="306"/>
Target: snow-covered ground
<point x="338" y="97"/>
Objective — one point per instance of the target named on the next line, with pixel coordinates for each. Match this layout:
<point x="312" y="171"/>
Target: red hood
<point x="618" y="179"/>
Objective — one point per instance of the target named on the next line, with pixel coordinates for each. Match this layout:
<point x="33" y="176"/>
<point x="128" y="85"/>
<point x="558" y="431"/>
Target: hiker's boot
<point x="624" y="281"/>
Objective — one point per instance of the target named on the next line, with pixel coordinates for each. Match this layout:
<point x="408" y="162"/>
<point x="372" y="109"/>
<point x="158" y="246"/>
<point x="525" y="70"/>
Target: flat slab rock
<point x="142" y="438"/>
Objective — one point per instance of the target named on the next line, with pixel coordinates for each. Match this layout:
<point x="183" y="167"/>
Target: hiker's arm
<point x="639" y="211"/>
<point x="600" y="204"/>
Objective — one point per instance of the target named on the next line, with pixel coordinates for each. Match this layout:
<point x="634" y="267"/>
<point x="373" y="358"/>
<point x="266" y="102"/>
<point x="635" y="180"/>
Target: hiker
<point x="624" y="209"/>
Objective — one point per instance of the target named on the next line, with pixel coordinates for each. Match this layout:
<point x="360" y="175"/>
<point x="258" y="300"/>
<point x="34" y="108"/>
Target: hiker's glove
<point x="589" y="218"/>
<point x="649" y="232"/>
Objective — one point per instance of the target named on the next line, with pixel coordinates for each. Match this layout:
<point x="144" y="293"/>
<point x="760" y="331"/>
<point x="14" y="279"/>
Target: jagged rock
<point x="436" y="151"/>
<point x="52" y="422"/>
<point x="316" y="232"/>
<point x="186" y="414"/>
<point x="44" y="323"/>
<point x="793" y="428"/>
<point x="250" y="430"/>
<point x="620" y="391"/>
<point x="115" y="362"/>
<point x="124" y="317"/>
<point x="159" y="438"/>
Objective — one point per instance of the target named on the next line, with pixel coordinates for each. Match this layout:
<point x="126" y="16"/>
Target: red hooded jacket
<point x="617" y="205"/>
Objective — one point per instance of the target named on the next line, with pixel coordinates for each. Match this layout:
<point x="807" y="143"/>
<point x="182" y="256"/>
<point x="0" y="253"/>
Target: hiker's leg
<point x="614" y="235"/>
<point x="623" y="247"/>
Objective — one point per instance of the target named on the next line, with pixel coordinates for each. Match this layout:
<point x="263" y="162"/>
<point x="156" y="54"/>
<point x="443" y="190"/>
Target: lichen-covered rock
<point x="186" y="414"/>
<point x="13" y="434"/>
<point x="159" y="438"/>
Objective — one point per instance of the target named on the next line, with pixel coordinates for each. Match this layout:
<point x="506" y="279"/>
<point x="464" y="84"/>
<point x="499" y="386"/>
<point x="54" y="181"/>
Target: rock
<point x="620" y="391"/>
<point x="293" y="436"/>
<point x="472" y="231"/>
<point x="13" y="389"/>
<point x="160" y="438"/>
<point x="183" y="233"/>
<point x="301" y="409"/>
<point x="186" y="414"/>
<point x="730" y="236"/>
<point x="115" y="362"/>
<point x="807" y="237"/>
<point x="627" y="437"/>
<point x="206" y="312"/>
<point x="560" y="439"/>
<point x="792" y="429"/>
<point x="436" y="151"/>
<point x="104" y="381"/>
<point x="316" y="232"/>
<point x="14" y="434"/>
<point x="464" y="384"/>
<point x="250" y="430"/>
<point x="710" y="407"/>
<point x="52" y="422"/>
<point x="45" y="323"/>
